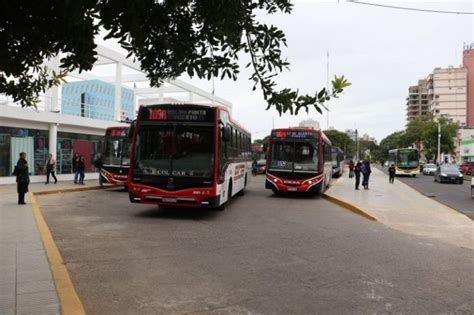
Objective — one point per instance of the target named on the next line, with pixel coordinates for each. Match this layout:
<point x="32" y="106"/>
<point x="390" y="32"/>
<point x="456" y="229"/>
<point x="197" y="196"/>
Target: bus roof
<point x="207" y="105"/>
<point x="305" y="129"/>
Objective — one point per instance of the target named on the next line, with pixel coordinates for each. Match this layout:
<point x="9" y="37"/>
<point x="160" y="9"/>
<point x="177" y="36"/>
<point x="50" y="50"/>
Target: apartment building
<point x="468" y="63"/>
<point x="417" y="100"/>
<point x="447" y="94"/>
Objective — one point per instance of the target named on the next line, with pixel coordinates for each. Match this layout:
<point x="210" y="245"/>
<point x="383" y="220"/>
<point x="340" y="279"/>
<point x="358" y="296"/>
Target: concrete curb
<point x="349" y="207"/>
<point x="68" y="298"/>
<point x="67" y="190"/>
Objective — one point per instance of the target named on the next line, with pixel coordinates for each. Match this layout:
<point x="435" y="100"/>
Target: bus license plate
<point x="292" y="189"/>
<point x="407" y="171"/>
<point x="170" y="200"/>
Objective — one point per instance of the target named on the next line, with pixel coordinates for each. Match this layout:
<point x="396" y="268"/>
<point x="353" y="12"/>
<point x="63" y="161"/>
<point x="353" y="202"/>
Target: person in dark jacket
<point x="75" y="161"/>
<point x="81" y="168"/>
<point x="357" y="174"/>
<point x="22" y="178"/>
<point x="365" y="169"/>
<point x="351" y="169"/>
<point x="391" y="174"/>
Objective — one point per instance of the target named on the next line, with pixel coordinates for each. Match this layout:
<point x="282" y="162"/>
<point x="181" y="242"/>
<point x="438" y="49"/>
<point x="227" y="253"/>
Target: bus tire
<point x="229" y="195"/>
<point x="101" y="180"/>
<point x="242" y="192"/>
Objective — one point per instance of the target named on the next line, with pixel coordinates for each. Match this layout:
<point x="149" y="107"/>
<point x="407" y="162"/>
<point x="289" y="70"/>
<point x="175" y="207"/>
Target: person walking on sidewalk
<point x="254" y="167"/>
<point x="75" y="161"/>
<point x="357" y="174"/>
<point x="22" y="178"/>
<point x="391" y="174"/>
<point x="351" y="169"/>
<point x="365" y="169"/>
<point x="50" y="167"/>
<point x="81" y="167"/>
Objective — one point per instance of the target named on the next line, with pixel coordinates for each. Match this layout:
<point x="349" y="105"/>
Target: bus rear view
<point x="298" y="160"/>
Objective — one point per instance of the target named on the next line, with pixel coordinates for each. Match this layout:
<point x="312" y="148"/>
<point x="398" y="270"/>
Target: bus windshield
<point x="175" y="150"/>
<point x="117" y="151"/>
<point x="408" y="158"/>
<point x="294" y="156"/>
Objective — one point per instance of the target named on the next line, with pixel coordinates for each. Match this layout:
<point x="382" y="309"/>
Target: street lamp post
<point x="439" y="144"/>
<point x="357" y="144"/>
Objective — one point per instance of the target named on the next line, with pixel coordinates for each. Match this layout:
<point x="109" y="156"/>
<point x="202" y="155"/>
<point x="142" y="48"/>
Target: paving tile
<point x="7" y="288"/>
<point x="8" y="277"/>
<point x="7" y="303"/>
<point x="36" y="299"/>
<point x="34" y="275"/>
<point x="52" y="309"/>
<point x="35" y="286"/>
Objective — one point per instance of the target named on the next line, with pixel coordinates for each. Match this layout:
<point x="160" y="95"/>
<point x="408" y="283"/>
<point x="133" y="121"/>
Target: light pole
<point x="357" y="145"/>
<point x="438" y="159"/>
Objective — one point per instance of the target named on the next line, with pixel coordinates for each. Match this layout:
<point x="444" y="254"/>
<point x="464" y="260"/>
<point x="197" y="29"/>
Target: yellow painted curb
<point x="349" y="206"/>
<point x="68" y="298"/>
<point x="66" y="190"/>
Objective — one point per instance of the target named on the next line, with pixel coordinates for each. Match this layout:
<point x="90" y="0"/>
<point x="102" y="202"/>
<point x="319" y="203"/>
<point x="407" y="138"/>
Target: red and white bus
<point x="298" y="160"/>
<point x="188" y="155"/>
<point x="115" y="159"/>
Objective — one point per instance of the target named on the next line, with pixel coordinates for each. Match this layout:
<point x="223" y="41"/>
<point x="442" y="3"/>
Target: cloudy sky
<point x="381" y="51"/>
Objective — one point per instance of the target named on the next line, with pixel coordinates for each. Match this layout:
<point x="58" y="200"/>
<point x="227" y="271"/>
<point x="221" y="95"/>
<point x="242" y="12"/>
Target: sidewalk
<point x="402" y="208"/>
<point x="26" y="282"/>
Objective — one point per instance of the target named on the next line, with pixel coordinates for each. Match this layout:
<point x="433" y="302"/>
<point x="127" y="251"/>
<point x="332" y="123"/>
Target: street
<point x="455" y="196"/>
<point x="263" y="254"/>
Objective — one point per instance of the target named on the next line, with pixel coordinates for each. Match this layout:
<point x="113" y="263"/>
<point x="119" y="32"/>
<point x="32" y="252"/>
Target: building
<point x="466" y="145"/>
<point x="63" y="128"/>
<point x="447" y="93"/>
<point x="309" y="123"/>
<point x="417" y="100"/>
<point x="96" y="99"/>
<point x="468" y="63"/>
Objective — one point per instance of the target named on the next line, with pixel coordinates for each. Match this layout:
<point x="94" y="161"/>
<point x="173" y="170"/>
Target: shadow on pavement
<point x="177" y="213"/>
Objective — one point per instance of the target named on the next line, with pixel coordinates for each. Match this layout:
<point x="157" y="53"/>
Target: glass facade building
<point x="95" y="99"/>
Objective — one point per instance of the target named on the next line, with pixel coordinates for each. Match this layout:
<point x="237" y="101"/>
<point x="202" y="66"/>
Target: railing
<point x="70" y="107"/>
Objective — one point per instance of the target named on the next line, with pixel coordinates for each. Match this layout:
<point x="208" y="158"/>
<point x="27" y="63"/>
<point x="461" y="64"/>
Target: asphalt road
<point x="455" y="196"/>
<point x="263" y="254"/>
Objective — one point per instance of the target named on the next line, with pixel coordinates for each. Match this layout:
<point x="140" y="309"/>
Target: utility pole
<point x="438" y="159"/>
<point x="327" y="87"/>
<point x="357" y="144"/>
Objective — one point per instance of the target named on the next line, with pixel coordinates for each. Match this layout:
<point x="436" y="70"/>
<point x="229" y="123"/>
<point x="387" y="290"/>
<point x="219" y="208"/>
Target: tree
<point x="430" y="137"/>
<point x="341" y="140"/>
<point x="202" y="38"/>
<point x="395" y="140"/>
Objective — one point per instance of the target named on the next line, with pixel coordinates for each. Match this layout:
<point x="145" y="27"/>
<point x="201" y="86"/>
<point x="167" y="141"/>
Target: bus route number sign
<point x="166" y="114"/>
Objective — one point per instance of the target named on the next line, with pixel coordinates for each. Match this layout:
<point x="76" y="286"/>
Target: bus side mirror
<point x="225" y="134"/>
<point x="131" y="130"/>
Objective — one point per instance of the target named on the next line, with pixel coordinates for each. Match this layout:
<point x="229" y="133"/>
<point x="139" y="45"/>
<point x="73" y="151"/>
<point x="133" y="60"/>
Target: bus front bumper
<point x="310" y="185"/>
<point x="194" y="197"/>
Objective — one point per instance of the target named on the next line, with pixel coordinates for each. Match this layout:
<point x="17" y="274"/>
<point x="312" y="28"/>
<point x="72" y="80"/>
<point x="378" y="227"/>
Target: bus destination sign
<point x="295" y="134"/>
<point x="178" y="114"/>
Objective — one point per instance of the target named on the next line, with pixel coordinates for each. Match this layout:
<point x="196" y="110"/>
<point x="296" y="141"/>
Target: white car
<point x="429" y="169"/>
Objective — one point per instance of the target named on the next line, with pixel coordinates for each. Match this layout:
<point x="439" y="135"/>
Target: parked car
<point x="429" y="169"/>
<point x="448" y="173"/>
<point x="467" y="168"/>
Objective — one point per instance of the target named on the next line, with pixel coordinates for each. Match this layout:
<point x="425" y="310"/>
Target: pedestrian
<point x="22" y="178"/>
<point x="365" y="169"/>
<point x="254" y="167"/>
<point x="50" y="167"/>
<point x="391" y="174"/>
<point x="357" y="174"/>
<point x="351" y="169"/>
<point x="75" y="161"/>
<point x="81" y="167"/>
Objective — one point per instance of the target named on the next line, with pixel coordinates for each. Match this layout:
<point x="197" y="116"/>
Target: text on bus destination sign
<point x="177" y="114"/>
<point x="294" y="134"/>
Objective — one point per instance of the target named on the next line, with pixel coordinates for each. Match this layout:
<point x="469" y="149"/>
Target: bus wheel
<point x="229" y="195"/>
<point x="101" y="180"/>
<point x="242" y="192"/>
<point x="321" y="188"/>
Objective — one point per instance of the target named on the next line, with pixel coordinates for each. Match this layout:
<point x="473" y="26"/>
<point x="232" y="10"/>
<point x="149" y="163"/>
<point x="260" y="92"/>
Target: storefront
<point x="467" y="150"/>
